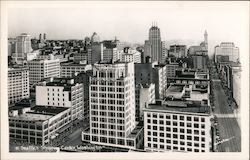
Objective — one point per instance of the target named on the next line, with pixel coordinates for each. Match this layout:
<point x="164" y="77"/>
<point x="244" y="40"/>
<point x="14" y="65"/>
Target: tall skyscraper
<point x="23" y="46"/>
<point x="205" y="39"/>
<point x="44" y="37"/>
<point x="112" y="106"/>
<point x="155" y="40"/>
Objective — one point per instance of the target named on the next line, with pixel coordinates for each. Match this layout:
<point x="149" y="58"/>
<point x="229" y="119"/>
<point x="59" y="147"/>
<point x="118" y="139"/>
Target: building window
<point x="168" y="135"/>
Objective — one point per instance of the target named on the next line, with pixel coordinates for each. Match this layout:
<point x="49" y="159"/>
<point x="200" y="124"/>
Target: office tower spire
<point x="155" y="40"/>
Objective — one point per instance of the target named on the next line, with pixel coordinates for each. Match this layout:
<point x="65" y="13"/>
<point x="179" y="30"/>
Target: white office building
<point x="68" y="69"/>
<point x="23" y="46"/>
<point x="18" y="84"/>
<point x="40" y="69"/>
<point x="227" y="49"/>
<point x="177" y="126"/>
<point x="131" y="56"/>
<point x="61" y="92"/>
<point x="112" y="107"/>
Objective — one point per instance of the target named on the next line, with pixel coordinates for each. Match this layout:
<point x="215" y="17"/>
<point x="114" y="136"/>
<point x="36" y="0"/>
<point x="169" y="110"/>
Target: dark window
<point x="182" y="130"/>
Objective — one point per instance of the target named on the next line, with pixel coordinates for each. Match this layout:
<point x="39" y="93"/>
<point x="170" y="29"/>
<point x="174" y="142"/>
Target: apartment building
<point x="18" y="84"/>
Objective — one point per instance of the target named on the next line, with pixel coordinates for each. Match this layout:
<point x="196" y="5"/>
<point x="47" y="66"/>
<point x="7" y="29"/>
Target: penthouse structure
<point x="68" y="69"/>
<point x="40" y="69"/>
<point x="61" y="92"/>
<point x="18" y="84"/>
<point x="37" y="125"/>
<point x="112" y="107"/>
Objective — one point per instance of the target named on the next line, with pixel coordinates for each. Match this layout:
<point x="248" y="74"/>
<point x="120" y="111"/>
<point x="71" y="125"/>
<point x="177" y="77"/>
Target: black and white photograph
<point x="125" y="80"/>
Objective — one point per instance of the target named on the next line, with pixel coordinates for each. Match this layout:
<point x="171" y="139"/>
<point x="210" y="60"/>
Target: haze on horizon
<point x="224" y="21"/>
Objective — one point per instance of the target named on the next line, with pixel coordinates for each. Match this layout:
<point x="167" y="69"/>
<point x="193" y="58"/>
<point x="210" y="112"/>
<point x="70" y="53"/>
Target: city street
<point x="75" y="138"/>
<point x="228" y="127"/>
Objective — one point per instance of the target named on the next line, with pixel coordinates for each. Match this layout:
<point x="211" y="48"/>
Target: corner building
<point x="177" y="126"/>
<point x="112" y="106"/>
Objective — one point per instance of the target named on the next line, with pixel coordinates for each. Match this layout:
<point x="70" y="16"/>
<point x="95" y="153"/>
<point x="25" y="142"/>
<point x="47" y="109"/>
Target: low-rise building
<point x="37" y="125"/>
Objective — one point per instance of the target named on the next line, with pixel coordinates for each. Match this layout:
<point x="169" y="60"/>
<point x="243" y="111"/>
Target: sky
<point x="130" y="21"/>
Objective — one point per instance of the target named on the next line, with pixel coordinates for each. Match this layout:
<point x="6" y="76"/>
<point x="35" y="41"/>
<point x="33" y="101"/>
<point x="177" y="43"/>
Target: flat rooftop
<point x="175" y="88"/>
<point x="40" y="113"/>
<point x="180" y="106"/>
<point x="49" y="110"/>
<point x="66" y="82"/>
<point x="73" y="64"/>
<point x="33" y="117"/>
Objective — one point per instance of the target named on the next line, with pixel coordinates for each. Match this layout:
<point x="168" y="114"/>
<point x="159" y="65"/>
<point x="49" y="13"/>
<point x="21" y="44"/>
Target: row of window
<point x="176" y="136"/>
<point x="175" y="123"/>
<point x="169" y="147"/>
<point x="176" y="117"/>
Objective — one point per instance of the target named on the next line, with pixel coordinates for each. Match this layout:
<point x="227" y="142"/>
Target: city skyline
<point x="124" y="76"/>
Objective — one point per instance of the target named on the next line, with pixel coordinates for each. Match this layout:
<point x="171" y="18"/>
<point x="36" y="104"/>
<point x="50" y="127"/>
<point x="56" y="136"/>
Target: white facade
<point x="61" y="93"/>
<point x="18" y="84"/>
<point x="144" y="95"/>
<point x="23" y="46"/>
<point x="160" y="80"/>
<point x="69" y="69"/>
<point x="112" y="105"/>
<point x="38" y="125"/>
<point x="40" y="69"/>
<point x="166" y="130"/>
<point x="228" y="49"/>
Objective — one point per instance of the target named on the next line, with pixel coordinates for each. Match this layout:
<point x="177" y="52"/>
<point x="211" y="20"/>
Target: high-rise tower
<point x="155" y="40"/>
<point x="205" y="39"/>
